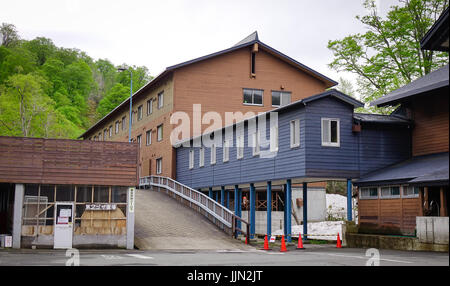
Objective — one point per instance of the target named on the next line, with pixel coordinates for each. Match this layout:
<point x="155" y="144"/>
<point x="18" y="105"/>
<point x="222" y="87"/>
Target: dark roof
<point x="422" y="169"/>
<point x="432" y="81"/>
<point x="380" y="118"/>
<point x="246" y="42"/>
<point x="299" y="103"/>
<point x="436" y="38"/>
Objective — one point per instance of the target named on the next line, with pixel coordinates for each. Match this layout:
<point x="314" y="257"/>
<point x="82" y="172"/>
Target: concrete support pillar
<point x="288" y="210"/>
<point x="252" y="212"/>
<point x="222" y="195"/>
<point x="130" y="217"/>
<point x="305" y="211"/>
<point x="17" y="217"/>
<point x="349" y="200"/>
<point x="210" y="193"/>
<point x="269" y="209"/>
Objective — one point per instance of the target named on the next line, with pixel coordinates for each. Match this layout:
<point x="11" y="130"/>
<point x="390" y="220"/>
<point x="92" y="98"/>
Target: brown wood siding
<point x="390" y="216"/>
<point x="431" y="117"/>
<point x="54" y="161"/>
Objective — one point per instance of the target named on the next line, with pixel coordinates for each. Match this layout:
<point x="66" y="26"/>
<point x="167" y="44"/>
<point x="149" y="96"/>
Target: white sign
<point x="273" y="238"/>
<point x="63" y="220"/>
<point x="8" y="241"/>
<point x="131" y="192"/>
<point x="101" y="207"/>
<point x="65" y="212"/>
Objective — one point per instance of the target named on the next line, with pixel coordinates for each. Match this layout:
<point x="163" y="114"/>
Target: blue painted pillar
<point x="288" y="210"/>
<point x="222" y="195"/>
<point x="228" y="199"/>
<point x="284" y="213"/>
<point x="237" y="205"/>
<point x="252" y="212"/>
<point x="349" y="200"/>
<point x="269" y="209"/>
<point x="210" y="193"/>
<point x="305" y="210"/>
<point x="216" y="196"/>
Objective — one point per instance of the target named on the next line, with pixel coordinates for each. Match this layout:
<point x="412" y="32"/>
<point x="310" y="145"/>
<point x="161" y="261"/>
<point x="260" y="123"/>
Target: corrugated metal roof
<point x="427" y="168"/>
<point x="380" y="118"/>
<point x="431" y="81"/>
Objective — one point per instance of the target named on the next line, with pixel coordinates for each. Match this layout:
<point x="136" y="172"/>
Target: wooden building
<point x="67" y="193"/>
<point x="391" y="198"/>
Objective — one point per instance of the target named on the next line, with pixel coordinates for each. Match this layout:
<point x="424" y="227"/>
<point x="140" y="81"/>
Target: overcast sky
<point x="159" y="34"/>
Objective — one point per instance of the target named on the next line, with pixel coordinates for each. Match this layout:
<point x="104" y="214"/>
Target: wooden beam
<point x="443" y="208"/>
<point x="421" y="201"/>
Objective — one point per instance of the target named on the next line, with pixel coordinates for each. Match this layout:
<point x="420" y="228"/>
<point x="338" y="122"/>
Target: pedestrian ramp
<point x="164" y="221"/>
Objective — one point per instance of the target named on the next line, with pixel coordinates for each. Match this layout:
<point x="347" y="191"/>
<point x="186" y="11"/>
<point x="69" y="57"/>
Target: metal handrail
<point x="219" y="212"/>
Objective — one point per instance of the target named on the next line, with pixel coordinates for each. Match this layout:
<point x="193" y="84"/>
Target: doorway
<point x="63" y="225"/>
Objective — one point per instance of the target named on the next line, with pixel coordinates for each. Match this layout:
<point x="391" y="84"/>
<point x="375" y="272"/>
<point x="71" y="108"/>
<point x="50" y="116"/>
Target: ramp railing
<point x="221" y="216"/>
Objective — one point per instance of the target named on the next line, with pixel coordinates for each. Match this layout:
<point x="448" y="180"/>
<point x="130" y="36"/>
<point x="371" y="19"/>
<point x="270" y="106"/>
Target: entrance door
<point x="63" y="228"/>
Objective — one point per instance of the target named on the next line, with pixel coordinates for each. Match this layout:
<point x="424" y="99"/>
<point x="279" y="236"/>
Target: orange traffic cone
<point x="283" y="244"/>
<point x="338" y="245"/>
<point x="266" y="244"/>
<point x="300" y="242"/>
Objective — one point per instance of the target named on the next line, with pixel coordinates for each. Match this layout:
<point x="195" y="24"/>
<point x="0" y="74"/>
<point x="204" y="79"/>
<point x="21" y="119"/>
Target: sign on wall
<point x="131" y="193"/>
<point x="101" y="207"/>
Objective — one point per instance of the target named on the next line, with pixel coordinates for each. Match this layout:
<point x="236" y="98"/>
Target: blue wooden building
<point x="316" y="139"/>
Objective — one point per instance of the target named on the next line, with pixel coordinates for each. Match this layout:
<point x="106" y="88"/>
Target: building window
<point x="213" y="154"/>
<point x="139" y="139"/>
<point x="140" y="109"/>
<point x="295" y="133"/>
<point x="149" y="106"/>
<point x="330" y="132"/>
<point x="160" y="132"/>
<point x="240" y="146"/>
<point x="105" y="134"/>
<point x="191" y="159"/>
<point x="256" y="145"/>
<point x="160" y="99"/>
<point x="226" y="150"/>
<point x="124" y="122"/>
<point x="253" y="62"/>
<point x="280" y="98"/>
<point x="99" y="136"/>
<point x="390" y="192"/>
<point x="110" y="131"/>
<point x="95" y="138"/>
<point x="117" y="127"/>
<point x="201" y="159"/>
<point x="410" y="191"/>
<point x="159" y="166"/>
<point x="148" y="137"/>
<point x="369" y="193"/>
<point x="253" y="96"/>
<point x="274" y="139"/>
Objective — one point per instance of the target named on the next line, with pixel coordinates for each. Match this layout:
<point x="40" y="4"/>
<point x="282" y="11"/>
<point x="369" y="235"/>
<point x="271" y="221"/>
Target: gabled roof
<point x="434" y="80"/>
<point x="246" y="42"/>
<point x="436" y="38"/>
<point x="296" y="104"/>
<point x="426" y="169"/>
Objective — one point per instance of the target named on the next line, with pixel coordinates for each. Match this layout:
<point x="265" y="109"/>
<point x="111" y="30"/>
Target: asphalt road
<point x="313" y="255"/>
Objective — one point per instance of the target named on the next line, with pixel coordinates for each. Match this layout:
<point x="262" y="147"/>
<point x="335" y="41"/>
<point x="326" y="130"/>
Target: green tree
<point x="115" y="96"/>
<point x="140" y="77"/>
<point x="388" y="55"/>
<point x="8" y="34"/>
<point x="42" y="47"/>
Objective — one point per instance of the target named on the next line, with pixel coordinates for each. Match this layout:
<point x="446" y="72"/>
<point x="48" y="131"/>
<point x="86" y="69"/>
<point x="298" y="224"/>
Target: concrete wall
<point x="432" y="229"/>
<point x="316" y="211"/>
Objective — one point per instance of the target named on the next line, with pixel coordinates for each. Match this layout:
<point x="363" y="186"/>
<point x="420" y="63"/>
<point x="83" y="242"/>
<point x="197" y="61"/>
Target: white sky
<point x="159" y="34"/>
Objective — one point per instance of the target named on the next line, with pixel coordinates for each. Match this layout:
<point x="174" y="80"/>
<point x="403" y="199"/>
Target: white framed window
<point x="139" y="139"/>
<point x="295" y="133"/>
<point x="330" y="132"/>
<point x="213" y="154"/>
<point x="148" y="137"/>
<point x="240" y="146"/>
<point x="226" y="150"/>
<point x="150" y="106"/>
<point x="390" y="192"/>
<point x="160" y="132"/>
<point x="274" y="139"/>
<point x="95" y="138"/>
<point x="140" y="111"/>
<point x="159" y="165"/>
<point x="280" y="98"/>
<point x="105" y="134"/>
<point x="253" y="96"/>
<point x="117" y="127"/>
<point x="124" y="122"/>
<point x="191" y="158"/>
<point x="160" y="99"/>
<point x="201" y="159"/>
<point x="368" y="193"/>
<point x="410" y="192"/>
<point x="110" y="131"/>
<point x="256" y="145"/>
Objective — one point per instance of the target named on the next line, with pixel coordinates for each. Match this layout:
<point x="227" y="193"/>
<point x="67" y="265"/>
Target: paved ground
<point x="163" y="223"/>
<point x="314" y="255"/>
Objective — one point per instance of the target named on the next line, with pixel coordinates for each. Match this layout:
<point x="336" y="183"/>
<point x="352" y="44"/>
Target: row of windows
<point x="148" y="136"/>
<point x="109" y="131"/>
<point x="330" y="137"/>
<point x="388" y="192"/>
<point x="255" y="97"/>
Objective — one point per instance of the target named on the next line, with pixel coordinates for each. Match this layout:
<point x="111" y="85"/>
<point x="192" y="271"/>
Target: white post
<point x="130" y="217"/>
<point x="17" y="219"/>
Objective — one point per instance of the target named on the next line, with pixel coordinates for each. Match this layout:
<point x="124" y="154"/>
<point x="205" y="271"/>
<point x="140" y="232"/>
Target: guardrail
<point x="215" y="212"/>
